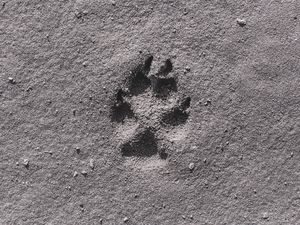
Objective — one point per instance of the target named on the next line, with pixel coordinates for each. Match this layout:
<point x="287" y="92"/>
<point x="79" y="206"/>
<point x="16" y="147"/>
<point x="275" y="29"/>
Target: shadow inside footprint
<point x="121" y="109"/>
<point x="163" y="86"/>
<point x="178" y="115"/>
<point x="143" y="145"/>
<point x="175" y="117"/>
<point x="138" y="80"/>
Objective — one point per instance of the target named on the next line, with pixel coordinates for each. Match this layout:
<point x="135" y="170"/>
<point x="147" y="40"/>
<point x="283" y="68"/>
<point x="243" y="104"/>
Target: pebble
<point x="84" y="173"/>
<point x="77" y="150"/>
<point x="208" y="102"/>
<point x="126" y="219"/>
<point x="26" y="162"/>
<point x="81" y="207"/>
<point x="241" y="22"/>
<point x="192" y="166"/>
<point x="91" y="164"/>
<point x="265" y="216"/>
<point x="11" y="80"/>
<point x="75" y="174"/>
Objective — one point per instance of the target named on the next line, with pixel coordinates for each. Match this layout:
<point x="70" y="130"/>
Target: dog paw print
<point x="147" y="108"/>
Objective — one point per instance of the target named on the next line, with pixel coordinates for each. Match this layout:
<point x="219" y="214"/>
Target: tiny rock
<point x="75" y="174"/>
<point x="26" y="162"/>
<point x="91" y="164"/>
<point x="85" y="64"/>
<point x="208" y="102"/>
<point x="68" y="188"/>
<point x="265" y="216"/>
<point x="241" y="22"/>
<point x="11" y="80"/>
<point x="192" y="166"/>
<point x="84" y="173"/>
<point x="125" y="219"/>
<point x="188" y="69"/>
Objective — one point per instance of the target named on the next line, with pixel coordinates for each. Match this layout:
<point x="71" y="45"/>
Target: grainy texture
<point x="149" y="112"/>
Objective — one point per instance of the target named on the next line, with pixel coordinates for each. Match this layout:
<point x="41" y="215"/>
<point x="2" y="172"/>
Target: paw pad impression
<point x="147" y="107"/>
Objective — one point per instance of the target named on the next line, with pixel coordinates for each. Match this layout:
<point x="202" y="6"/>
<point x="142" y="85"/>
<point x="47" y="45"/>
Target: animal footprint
<point x="146" y="108"/>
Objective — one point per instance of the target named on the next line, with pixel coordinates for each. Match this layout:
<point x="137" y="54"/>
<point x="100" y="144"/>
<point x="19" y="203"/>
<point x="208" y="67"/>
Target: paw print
<point x="146" y="109"/>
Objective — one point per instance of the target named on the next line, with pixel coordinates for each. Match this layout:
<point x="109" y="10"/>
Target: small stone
<point x="265" y="216"/>
<point x="26" y="162"/>
<point x="183" y="217"/>
<point x="208" y="102"/>
<point x="75" y="174"/>
<point x="77" y="150"/>
<point x="85" y="64"/>
<point x="191" y="217"/>
<point x="192" y="166"/>
<point x="11" y="80"/>
<point x="91" y="164"/>
<point x="84" y="173"/>
<point x="241" y="22"/>
<point x="81" y="206"/>
<point x="126" y="219"/>
<point x="17" y="163"/>
<point x="188" y="69"/>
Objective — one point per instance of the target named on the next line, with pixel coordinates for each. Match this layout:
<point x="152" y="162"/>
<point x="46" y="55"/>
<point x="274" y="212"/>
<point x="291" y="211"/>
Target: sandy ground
<point x="149" y="112"/>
